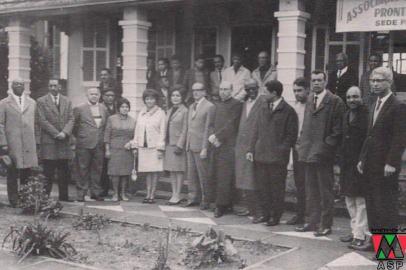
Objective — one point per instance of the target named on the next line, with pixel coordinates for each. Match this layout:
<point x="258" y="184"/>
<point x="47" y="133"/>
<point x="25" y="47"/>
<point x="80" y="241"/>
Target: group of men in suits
<point x="42" y="130"/>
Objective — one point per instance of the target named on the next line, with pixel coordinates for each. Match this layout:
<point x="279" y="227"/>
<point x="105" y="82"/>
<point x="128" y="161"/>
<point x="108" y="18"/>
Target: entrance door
<point x="249" y="41"/>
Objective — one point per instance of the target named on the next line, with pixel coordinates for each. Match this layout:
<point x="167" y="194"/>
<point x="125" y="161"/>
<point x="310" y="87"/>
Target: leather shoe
<point x="190" y="204"/>
<point x="218" y="212"/>
<point x="367" y="246"/>
<point x="97" y="198"/>
<point x="347" y="238"/>
<point x="356" y="243"/>
<point x="306" y="228"/>
<point x="243" y="213"/>
<point x="272" y="222"/>
<point x="322" y="232"/>
<point x="260" y="219"/>
<point x="295" y="220"/>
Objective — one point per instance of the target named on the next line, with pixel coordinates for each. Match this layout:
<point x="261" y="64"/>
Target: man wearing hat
<point x="55" y="117"/>
<point x="17" y="137"/>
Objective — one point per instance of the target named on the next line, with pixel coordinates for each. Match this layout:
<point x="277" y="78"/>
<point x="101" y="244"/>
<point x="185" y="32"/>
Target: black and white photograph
<point x="203" y="134"/>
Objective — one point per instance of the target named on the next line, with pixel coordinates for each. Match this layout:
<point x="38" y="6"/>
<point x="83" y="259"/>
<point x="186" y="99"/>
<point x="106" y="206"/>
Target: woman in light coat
<point x="175" y="155"/>
<point x="149" y="141"/>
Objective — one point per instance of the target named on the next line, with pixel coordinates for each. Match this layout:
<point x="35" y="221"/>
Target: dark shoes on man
<point x="295" y="220"/>
<point x="356" y="243"/>
<point x="272" y="222"/>
<point x="322" y="232"/>
<point x="260" y="219"/>
<point x="362" y="246"/>
<point x="307" y="227"/>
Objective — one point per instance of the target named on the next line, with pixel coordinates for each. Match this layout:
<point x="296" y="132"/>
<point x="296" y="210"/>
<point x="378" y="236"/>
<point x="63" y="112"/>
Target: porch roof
<point x="23" y="6"/>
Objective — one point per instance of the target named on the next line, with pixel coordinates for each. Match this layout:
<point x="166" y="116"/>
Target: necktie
<point x="56" y="101"/>
<point x="194" y="106"/>
<point x="339" y="73"/>
<point x="220" y="78"/>
<point x="378" y="104"/>
<point x="315" y="102"/>
<point x="271" y="106"/>
<point x="21" y="101"/>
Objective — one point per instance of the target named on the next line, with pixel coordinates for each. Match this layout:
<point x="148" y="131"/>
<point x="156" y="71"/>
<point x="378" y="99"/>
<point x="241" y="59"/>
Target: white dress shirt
<point x="95" y="110"/>
<point x="378" y="110"/>
<point x="250" y="104"/>
<point x="300" y="110"/>
<point x="320" y="97"/>
<point x="55" y="99"/>
<point x="340" y="72"/>
<point x="237" y="79"/>
<point x="276" y="103"/>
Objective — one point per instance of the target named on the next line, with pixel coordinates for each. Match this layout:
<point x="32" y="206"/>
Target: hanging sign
<point x="370" y="15"/>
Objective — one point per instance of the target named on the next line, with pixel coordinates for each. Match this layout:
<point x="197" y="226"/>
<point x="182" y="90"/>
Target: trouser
<point x="382" y="202"/>
<point x="356" y="207"/>
<point x="12" y="183"/>
<point x="251" y="202"/>
<point x="271" y="180"/>
<point x="62" y="166"/>
<point x="89" y="164"/>
<point x="198" y="178"/>
<point x="300" y="181"/>
<point x="224" y="176"/>
<point x="105" y="179"/>
<point x="319" y="194"/>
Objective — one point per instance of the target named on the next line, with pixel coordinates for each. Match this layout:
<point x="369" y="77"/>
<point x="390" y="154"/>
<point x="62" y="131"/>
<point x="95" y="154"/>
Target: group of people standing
<point x="223" y="131"/>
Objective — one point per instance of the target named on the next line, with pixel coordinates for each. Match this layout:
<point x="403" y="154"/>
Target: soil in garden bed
<point x="127" y="247"/>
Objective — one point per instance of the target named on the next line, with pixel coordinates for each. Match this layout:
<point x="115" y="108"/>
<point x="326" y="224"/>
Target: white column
<point x="19" y="52"/>
<point x="135" y="40"/>
<point x="291" y="51"/>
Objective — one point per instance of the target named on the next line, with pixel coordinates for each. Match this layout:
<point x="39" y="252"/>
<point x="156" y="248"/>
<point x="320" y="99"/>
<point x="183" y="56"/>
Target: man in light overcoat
<point x="55" y="117"/>
<point x="18" y="138"/>
<point x="90" y="121"/>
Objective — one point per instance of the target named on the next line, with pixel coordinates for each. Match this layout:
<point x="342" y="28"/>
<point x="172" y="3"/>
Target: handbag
<point x="134" y="176"/>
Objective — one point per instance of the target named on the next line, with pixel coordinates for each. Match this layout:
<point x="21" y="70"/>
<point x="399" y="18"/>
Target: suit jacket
<point x="244" y="169"/>
<point x="321" y="130"/>
<point x="151" y="76"/>
<point x="153" y="125"/>
<point x="354" y="134"/>
<point x="270" y="75"/>
<point x="87" y="134"/>
<point x="176" y="127"/>
<point x="339" y="86"/>
<point x="386" y="140"/>
<point x="274" y="134"/>
<point x="111" y="84"/>
<point x="52" y="121"/>
<point x="19" y="131"/>
<point x="173" y="81"/>
<point x="200" y="126"/>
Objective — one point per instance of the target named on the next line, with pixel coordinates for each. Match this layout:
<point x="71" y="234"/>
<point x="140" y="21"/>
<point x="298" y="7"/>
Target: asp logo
<point x="390" y="249"/>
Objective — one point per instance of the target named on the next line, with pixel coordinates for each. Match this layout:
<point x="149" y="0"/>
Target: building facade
<point x="300" y="35"/>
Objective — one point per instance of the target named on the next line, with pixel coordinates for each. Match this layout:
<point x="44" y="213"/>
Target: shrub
<point x="35" y="200"/>
<point x="39" y="240"/>
<point x="211" y="249"/>
<point x="90" y="222"/>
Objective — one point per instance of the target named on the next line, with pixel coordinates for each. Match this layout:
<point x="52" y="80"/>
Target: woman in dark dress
<point x="117" y="136"/>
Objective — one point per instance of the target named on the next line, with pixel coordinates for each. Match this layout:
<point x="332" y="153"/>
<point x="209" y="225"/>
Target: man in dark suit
<point x="200" y="126"/>
<point x="381" y="153"/>
<point x="355" y="125"/>
<point x="320" y="136"/>
<point x="55" y="118"/>
<point x="151" y="72"/>
<point x="90" y="121"/>
<point x="226" y="119"/>
<point x="216" y="76"/>
<point x="176" y="73"/>
<point x="197" y="74"/>
<point x="274" y="134"/>
<point x="107" y="82"/>
<point x="162" y="71"/>
<point x="342" y="78"/>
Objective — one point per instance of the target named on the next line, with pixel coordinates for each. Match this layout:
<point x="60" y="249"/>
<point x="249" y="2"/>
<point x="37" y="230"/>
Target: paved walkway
<point x="306" y="251"/>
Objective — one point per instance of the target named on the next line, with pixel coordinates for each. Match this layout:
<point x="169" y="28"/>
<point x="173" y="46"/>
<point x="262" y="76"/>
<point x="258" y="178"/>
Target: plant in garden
<point x="35" y="200"/>
<point x="38" y="239"/>
<point x="211" y="249"/>
<point x="90" y="221"/>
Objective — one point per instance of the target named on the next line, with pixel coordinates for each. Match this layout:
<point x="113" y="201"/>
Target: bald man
<point x="355" y="126"/>
<point x="223" y="138"/>
<point x="244" y="169"/>
<point x="18" y="137"/>
<point x="200" y="126"/>
<point x="90" y="121"/>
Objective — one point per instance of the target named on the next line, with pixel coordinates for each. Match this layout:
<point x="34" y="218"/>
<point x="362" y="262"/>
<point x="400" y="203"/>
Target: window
<point x="95" y="52"/>
<point x="165" y="43"/>
<point x="205" y="43"/>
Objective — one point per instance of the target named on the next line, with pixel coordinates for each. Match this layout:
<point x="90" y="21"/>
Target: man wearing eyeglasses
<point x="381" y="154"/>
